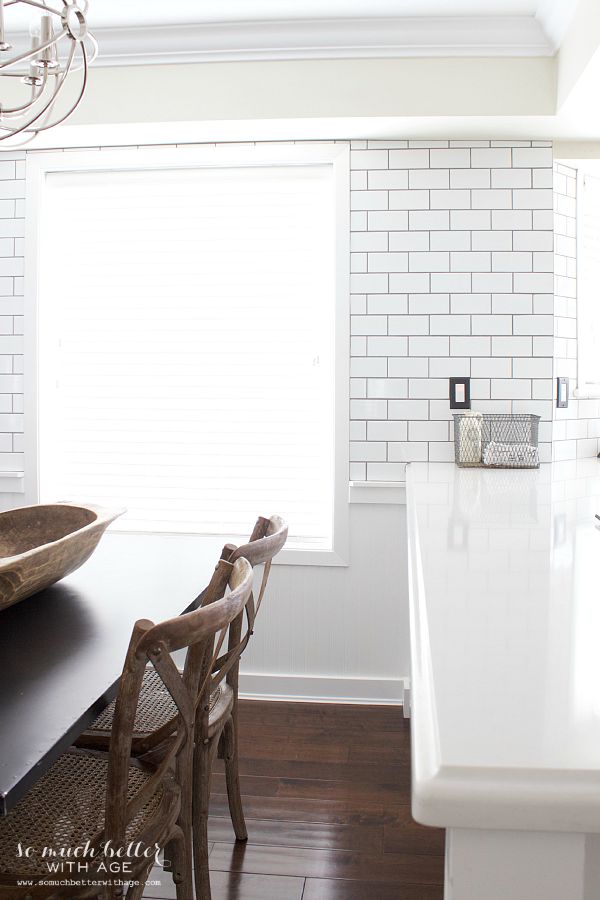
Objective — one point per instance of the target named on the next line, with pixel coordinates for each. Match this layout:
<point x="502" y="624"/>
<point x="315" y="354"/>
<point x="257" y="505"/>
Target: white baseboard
<point x="322" y="688"/>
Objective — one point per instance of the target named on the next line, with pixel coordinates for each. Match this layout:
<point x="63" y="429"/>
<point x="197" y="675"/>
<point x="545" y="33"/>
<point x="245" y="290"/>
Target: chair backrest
<point x="203" y="632"/>
<point x="267" y="538"/>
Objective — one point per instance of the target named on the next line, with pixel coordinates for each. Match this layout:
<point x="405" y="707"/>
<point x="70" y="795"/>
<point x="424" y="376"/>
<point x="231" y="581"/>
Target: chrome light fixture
<point x="60" y="46"/>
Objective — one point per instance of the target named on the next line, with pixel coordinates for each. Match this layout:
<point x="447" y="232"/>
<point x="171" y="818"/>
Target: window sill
<point x="589" y="393"/>
<point x="377" y="492"/>
<point x="12" y="482"/>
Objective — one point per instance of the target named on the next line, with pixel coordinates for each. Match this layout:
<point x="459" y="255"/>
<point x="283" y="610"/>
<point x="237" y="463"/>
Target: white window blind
<point x="186" y="346"/>
<point x="588" y="284"/>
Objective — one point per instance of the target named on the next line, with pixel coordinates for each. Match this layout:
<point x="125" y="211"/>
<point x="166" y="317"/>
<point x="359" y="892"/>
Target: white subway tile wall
<point x="576" y="429"/>
<point x="12" y="232"/>
<point x="452" y="275"/>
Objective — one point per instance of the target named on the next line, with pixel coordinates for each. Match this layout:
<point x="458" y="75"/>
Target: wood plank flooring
<point x="326" y="793"/>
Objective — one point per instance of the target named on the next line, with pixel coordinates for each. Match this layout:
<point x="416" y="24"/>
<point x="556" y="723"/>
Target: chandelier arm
<point x="44" y="6"/>
<point x="19" y="109"/>
<point x="27" y="125"/>
<point x="92" y="57"/>
<point x="35" y="50"/>
<point x="68" y="114"/>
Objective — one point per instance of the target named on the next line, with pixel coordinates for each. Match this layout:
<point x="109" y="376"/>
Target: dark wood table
<point x="62" y="650"/>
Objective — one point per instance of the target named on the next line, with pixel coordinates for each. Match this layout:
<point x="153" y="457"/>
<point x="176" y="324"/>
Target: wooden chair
<point x="110" y="797"/>
<point x="217" y="721"/>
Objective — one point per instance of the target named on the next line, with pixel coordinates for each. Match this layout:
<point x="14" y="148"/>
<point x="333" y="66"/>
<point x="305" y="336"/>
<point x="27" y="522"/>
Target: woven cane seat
<point x="65" y="809"/>
<point x="155" y="707"/>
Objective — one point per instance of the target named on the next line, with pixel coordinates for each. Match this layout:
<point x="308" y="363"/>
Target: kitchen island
<point x="504" y="572"/>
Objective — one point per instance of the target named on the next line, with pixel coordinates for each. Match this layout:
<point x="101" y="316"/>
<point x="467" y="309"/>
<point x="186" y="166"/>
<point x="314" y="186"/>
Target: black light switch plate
<point x="562" y="392"/>
<point x="460" y="393"/>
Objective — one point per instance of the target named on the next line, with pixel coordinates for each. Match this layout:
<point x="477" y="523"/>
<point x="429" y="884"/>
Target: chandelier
<point x="35" y="74"/>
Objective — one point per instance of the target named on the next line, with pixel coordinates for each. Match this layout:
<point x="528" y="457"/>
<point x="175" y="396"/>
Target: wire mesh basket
<point x="496" y="441"/>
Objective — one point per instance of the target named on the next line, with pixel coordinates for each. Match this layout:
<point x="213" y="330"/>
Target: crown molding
<point x="457" y="36"/>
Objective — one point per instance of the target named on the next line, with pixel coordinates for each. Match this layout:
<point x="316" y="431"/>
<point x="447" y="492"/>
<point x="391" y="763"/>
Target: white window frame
<point x="583" y="390"/>
<point x="39" y="165"/>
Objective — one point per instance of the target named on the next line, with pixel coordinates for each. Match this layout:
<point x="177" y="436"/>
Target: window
<point x="191" y="308"/>
<point x="588" y="280"/>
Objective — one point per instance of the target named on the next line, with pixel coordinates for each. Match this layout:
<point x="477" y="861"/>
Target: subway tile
<point x="409" y="159"/>
<point x="428" y="388"/>
<point x="439" y="411"/>
<point x="388" y="262"/>
<point x="542" y="389"/>
<point x="409" y="200"/>
<point x="358" y="388"/>
<point x="10" y="267"/>
<point x="450" y="282"/>
<point x="387" y="304"/>
<point x="371" y="283"/>
<point x="492" y="282"/>
<point x="511" y="219"/>
<point x="491" y="158"/>
<point x="470" y="178"/>
<point x="387" y="388"/>
<point x="491" y="324"/>
<point x="536" y="198"/>
<point x="429" y="431"/>
<point x="430" y="144"/>
<point x="387" y="431"/>
<point x="359" y="181"/>
<point x="450" y="324"/>
<point x="470" y="303"/>
<point x="368" y="451"/>
<point x="409" y="283"/>
<point x="441" y="451"/>
<point x="470" y="262"/>
<point x="358" y="346"/>
<point x="390" y="220"/>
<point x="454" y="199"/>
<point x="358" y="471"/>
<point x="419" y="304"/>
<point x="543" y="304"/>
<point x="395" y="179"/>
<point x="389" y="471"/>
<point x="368" y="366"/>
<point x="11" y="423"/>
<point x="451" y="159"/>
<point x="358" y="431"/>
<point x="533" y="325"/>
<point x="368" y="325"/>
<point x="429" y="262"/>
<point x="409" y="324"/>
<point x="534" y="282"/>
<point x="532" y="240"/>
<point x="368" y="159"/>
<point x="429" y="179"/>
<point x="531" y="157"/>
<point x="543" y="346"/>
<point x="408" y="367"/>
<point x="470" y="346"/>
<point x="368" y="200"/>
<point x="494" y="367"/>
<point x="387" y="346"/>
<point x="542" y="178"/>
<point x="429" y="346"/>
<point x="512" y="262"/>
<point x="470" y="219"/>
<point x="408" y="409"/>
<point x="368" y="409"/>
<point x="510" y="304"/>
<point x="358" y="221"/>
<point x="511" y="178"/>
<point x="511" y="389"/>
<point x="541" y="408"/>
<point x="543" y="262"/>
<point x="492" y="199"/>
<point x="358" y="304"/>
<point x="452" y="367"/>
<point x="543" y="219"/>
<point x="429" y="220"/>
<point x="386" y="145"/>
<point x="480" y="389"/>
<point x="511" y="346"/>
<point x="450" y="240"/>
<point x="492" y="240"/>
<point x="409" y="240"/>
<point x="412" y="451"/>
<point x="358" y="262"/>
<point x="12" y="190"/>
<point x="363" y="241"/>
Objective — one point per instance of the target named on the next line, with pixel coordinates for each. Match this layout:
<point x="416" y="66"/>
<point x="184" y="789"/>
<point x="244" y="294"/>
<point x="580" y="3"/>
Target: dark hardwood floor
<point x="327" y="800"/>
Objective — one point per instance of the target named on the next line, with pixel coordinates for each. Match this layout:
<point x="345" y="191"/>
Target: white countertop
<point x="504" y="571"/>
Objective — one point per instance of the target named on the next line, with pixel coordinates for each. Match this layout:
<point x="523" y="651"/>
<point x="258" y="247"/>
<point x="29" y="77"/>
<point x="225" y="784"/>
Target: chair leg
<point x="232" y="776"/>
<point x="179" y="850"/>
<point x="136" y="891"/>
<point x="204" y="755"/>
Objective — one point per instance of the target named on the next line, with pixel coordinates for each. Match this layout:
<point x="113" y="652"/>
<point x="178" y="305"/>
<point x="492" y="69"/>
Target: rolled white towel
<point x="498" y="454"/>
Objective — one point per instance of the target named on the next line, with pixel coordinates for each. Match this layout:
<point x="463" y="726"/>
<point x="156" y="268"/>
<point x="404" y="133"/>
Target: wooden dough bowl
<point x="41" y="544"/>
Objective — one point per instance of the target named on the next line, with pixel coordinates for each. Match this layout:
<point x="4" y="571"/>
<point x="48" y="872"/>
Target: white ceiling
<point x="553" y="15"/>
